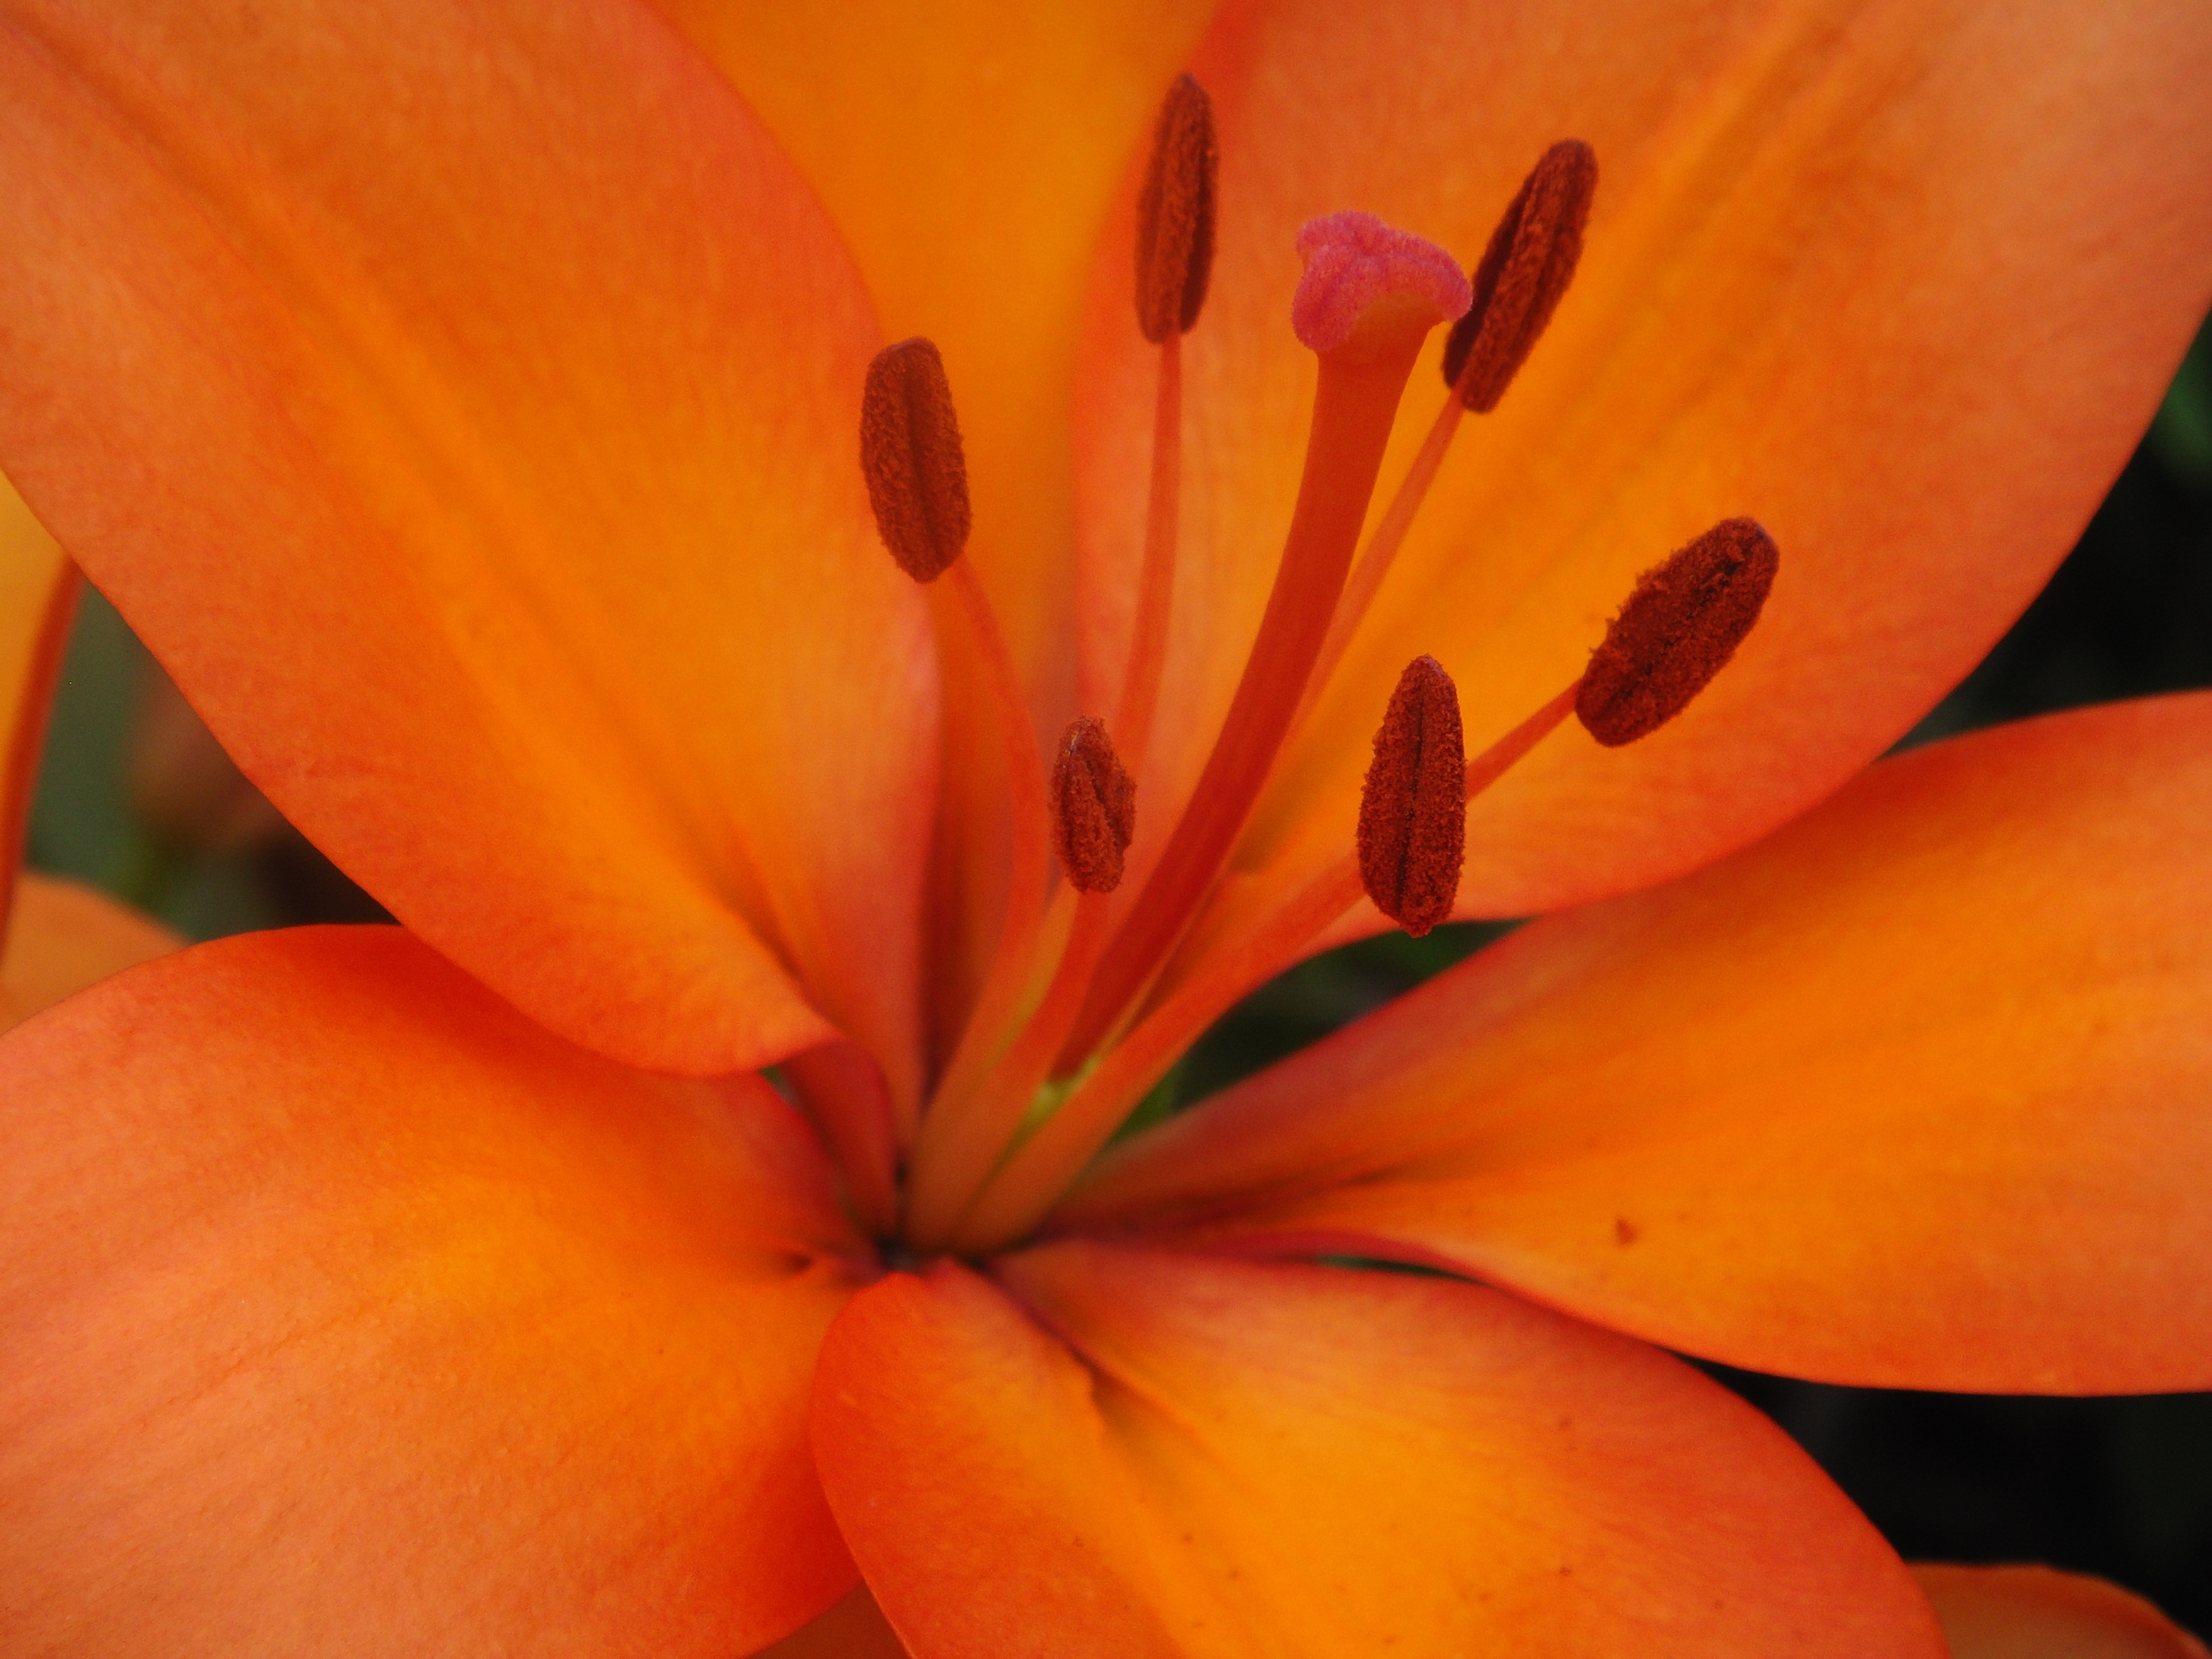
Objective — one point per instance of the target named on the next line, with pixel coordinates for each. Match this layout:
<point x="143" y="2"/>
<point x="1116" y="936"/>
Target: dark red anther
<point x="1413" y="807"/>
<point x="1527" y="266"/>
<point x="1094" y="806"/>
<point x="1175" y="214"/>
<point x="910" y="454"/>
<point x="1678" y="630"/>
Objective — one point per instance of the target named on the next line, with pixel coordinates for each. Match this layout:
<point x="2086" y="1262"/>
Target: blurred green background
<point x="2121" y="1487"/>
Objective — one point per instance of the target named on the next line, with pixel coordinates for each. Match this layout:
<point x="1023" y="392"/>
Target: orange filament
<point x="1413" y="806"/>
<point x="1372" y="295"/>
<point x="1678" y="629"/>
<point x="917" y="474"/>
<point x="1175" y="214"/>
<point x="1493" y="762"/>
<point x="1175" y="253"/>
<point x="1155" y="585"/>
<point x="1530" y="259"/>
<point x="911" y="457"/>
<point x="1028" y="856"/>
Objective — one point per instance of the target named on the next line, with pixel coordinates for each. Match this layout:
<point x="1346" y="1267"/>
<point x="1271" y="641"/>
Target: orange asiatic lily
<point x="463" y="403"/>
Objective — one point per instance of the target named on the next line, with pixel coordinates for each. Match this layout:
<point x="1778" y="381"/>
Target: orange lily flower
<point x="462" y="403"/>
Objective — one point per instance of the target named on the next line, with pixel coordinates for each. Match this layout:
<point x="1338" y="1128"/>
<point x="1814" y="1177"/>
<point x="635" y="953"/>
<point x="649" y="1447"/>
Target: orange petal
<point x="38" y="601"/>
<point x="1277" y="1461"/>
<point x="1903" y="281"/>
<point x="347" y="1312"/>
<point x="2035" y="1613"/>
<point x="461" y="402"/>
<point x="1913" y="1094"/>
<point x="62" y="936"/>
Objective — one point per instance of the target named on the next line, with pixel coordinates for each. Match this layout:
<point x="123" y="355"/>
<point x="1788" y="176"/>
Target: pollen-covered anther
<point x="1678" y="629"/>
<point x="1524" y="271"/>
<point x="1094" y="806"/>
<point x="1413" y="807"/>
<point x="910" y="454"/>
<point x="1362" y="274"/>
<point x="1175" y="214"/>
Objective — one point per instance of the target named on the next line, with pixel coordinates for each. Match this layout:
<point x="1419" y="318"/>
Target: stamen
<point x="1678" y="629"/>
<point x="1369" y="297"/>
<point x="1175" y="214"/>
<point x="910" y="454"/>
<point x="1524" y="271"/>
<point x="1095" y="808"/>
<point x="962" y="1142"/>
<point x="1413" y="807"/>
<point x="918" y="484"/>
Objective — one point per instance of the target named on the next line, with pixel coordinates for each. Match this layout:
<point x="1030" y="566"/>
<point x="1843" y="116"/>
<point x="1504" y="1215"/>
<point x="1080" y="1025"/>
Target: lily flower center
<point x="1070" y="1030"/>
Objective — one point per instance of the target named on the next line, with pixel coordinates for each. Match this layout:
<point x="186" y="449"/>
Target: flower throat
<point x="1069" y="1030"/>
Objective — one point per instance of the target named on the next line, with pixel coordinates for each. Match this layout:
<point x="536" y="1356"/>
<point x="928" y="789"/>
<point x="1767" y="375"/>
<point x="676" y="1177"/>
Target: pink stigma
<point x="1353" y="260"/>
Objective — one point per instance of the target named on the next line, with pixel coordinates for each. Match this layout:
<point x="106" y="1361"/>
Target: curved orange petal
<point x="1901" y="280"/>
<point x="38" y="600"/>
<point x="1912" y="1093"/>
<point x="62" y="936"/>
<point x="347" y="1311"/>
<point x="461" y="402"/>
<point x="2035" y="1613"/>
<point x="1231" y="1458"/>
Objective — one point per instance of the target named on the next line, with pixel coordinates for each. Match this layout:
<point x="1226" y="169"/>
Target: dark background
<point x="2121" y="1487"/>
